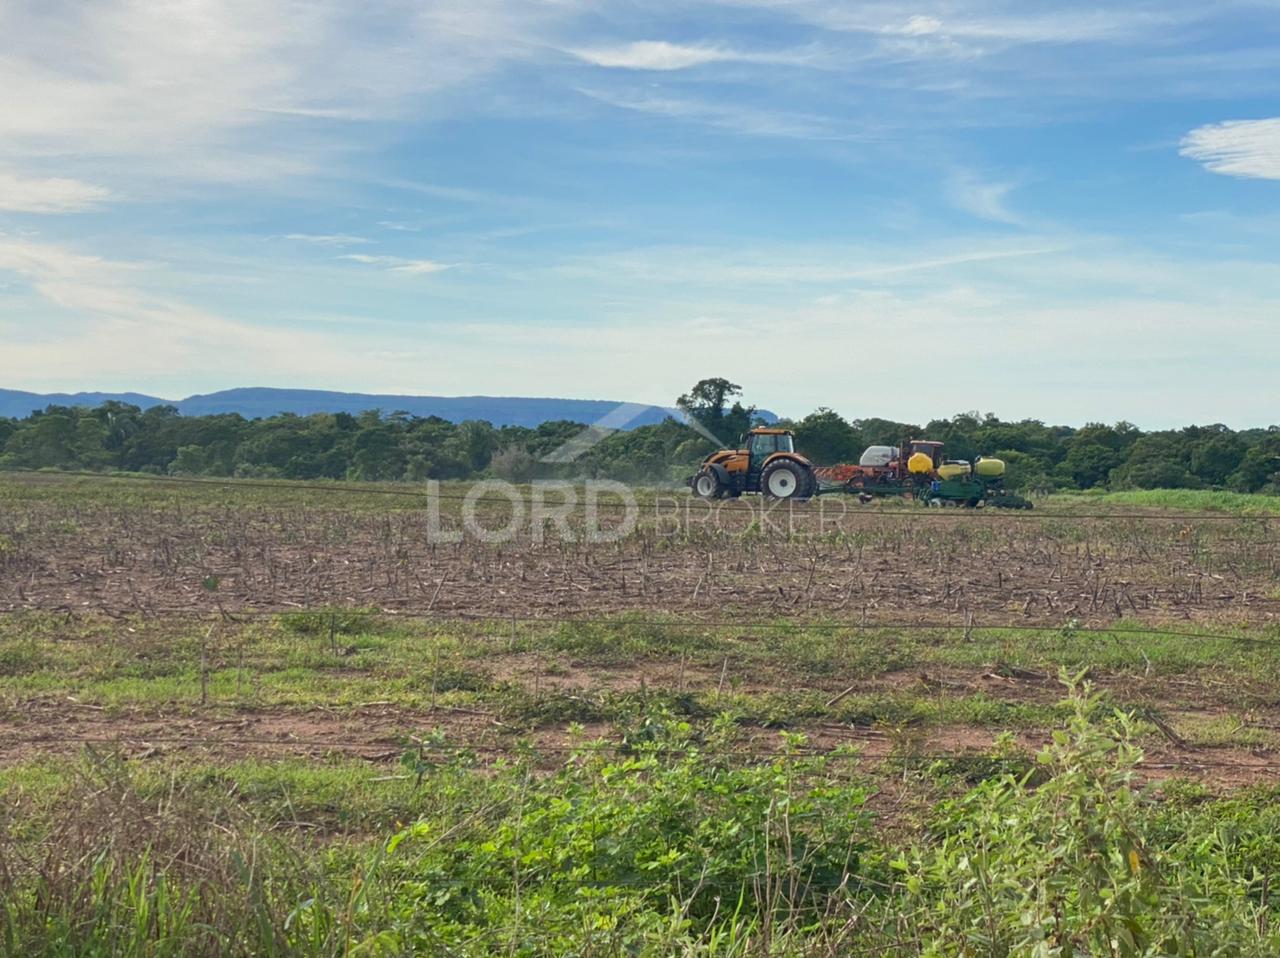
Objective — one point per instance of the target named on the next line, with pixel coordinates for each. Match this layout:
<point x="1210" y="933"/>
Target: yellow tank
<point x="989" y="467"/>
<point x="953" y="470"/>
<point x="919" y="464"/>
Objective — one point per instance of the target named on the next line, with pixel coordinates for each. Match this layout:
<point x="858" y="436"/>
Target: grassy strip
<point x="532" y="675"/>
<point x="1174" y="500"/>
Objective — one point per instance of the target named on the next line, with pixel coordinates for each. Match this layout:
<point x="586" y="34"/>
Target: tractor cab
<point x="765" y="442"/>
<point x="761" y="443"/>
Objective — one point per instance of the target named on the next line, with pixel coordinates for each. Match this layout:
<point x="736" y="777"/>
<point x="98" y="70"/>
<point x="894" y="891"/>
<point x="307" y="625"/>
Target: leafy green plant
<point x="618" y="847"/>
<point x="1068" y="867"/>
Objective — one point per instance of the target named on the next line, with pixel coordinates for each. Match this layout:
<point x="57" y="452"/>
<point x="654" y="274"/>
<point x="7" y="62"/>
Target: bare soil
<point x="383" y="734"/>
<point x="873" y="568"/>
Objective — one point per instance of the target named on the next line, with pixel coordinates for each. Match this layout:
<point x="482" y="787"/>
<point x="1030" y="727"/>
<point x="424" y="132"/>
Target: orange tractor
<point x="770" y="465"/>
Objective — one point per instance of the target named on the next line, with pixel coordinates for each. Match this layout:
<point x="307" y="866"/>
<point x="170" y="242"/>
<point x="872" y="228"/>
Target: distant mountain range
<point x="254" y="403"/>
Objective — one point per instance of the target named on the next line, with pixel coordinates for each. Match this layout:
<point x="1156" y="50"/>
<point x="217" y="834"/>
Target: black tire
<point x="786" y="479"/>
<point x="707" y="485"/>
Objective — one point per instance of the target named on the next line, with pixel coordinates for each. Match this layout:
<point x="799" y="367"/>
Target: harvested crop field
<point x="72" y="545"/>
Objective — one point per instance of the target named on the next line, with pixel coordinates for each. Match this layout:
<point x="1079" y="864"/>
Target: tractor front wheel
<point x="707" y="485"/>
<point x="786" y="480"/>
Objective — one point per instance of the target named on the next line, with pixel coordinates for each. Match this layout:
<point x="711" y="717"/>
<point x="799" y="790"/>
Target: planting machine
<point x="769" y="464"/>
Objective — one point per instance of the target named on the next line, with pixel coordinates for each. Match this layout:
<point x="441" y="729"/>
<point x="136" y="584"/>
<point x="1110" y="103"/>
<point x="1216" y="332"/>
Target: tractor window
<point x="768" y="444"/>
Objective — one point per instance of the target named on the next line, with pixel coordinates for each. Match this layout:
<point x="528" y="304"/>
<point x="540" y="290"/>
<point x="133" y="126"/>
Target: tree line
<point x="400" y="447"/>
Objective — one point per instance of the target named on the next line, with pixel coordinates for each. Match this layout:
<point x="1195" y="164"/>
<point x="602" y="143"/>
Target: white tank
<point x="878" y="456"/>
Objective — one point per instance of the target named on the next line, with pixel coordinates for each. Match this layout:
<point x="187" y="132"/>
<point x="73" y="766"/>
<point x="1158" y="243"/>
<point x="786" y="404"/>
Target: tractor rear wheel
<point x="707" y="485"/>
<point x="786" y="480"/>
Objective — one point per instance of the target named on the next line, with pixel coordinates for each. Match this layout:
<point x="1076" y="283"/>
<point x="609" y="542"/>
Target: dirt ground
<point x="874" y="568"/>
<point x="383" y="734"/>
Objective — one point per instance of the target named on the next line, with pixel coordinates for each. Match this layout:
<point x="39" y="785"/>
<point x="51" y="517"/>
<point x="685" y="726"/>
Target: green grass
<point x="332" y="797"/>
<point x="1178" y="500"/>
<point x="552" y="673"/>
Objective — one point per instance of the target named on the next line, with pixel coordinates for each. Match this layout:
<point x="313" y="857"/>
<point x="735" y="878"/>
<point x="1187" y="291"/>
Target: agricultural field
<point x="307" y="718"/>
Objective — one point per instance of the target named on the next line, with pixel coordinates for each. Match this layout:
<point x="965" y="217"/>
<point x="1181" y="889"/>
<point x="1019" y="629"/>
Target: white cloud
<point x="984" y="200"/>
<point x="395" y="264"/>
<point x="653" y="55"/>
<point x="188" y="89"/>
<point x="419" y="267"/>
<point x="106" y="325"/>
<point x="24" y="194"/>
<point x="919" y="26"/>
<point x="1245" y="148"/>
<point x="327" y="239"/>
<point x="109" y="316"/>
<point x="661" y="55"/>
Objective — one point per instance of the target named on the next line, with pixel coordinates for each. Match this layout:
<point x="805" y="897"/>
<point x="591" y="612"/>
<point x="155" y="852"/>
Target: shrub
<point x="1070" y="867"/>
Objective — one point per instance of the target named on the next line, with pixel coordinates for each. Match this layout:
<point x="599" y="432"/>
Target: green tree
<point x="47" y="440"/>
<point x="1089" y="462"/>
<point x="826" y="437"/>
<point x="1259" y="468"/>
<point x="1216" y="453"/>
<point x="1156" y="461"/>
<point x="707" y="404"/>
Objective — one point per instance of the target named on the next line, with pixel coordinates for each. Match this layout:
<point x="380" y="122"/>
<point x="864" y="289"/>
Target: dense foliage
<point x="676" y="843"/>
<point x="118" y="436"/>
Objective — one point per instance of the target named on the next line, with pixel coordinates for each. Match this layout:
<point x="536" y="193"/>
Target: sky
<point x="905" y="209"/>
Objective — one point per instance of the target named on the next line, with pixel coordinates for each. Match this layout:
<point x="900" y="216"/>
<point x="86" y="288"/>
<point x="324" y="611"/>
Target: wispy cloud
<point x="395" y="264"/>
<point x="795" y="265"/>
<point x="239" y="87"/>
<point x="108" y="314"/>
<point x="106" y="321"/>
<point x="662" y="55"/>
<point x="327" y="239"/>
<point x="985" y="200"/>
<point x="1245" y="148"/>
<point x="980" y="20"/>
<point x="725" y="115"/>
<point x="25" y="194"/>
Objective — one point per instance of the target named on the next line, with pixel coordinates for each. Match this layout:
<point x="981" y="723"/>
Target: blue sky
<point x="893" y="209"/>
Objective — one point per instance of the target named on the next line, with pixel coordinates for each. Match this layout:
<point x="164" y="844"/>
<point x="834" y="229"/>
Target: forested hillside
<point x="261" y="402"/>
<point x="398" y="446"/>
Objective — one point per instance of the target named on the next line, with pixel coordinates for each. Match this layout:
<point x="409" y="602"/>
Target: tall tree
<point x="707" y="404"/>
